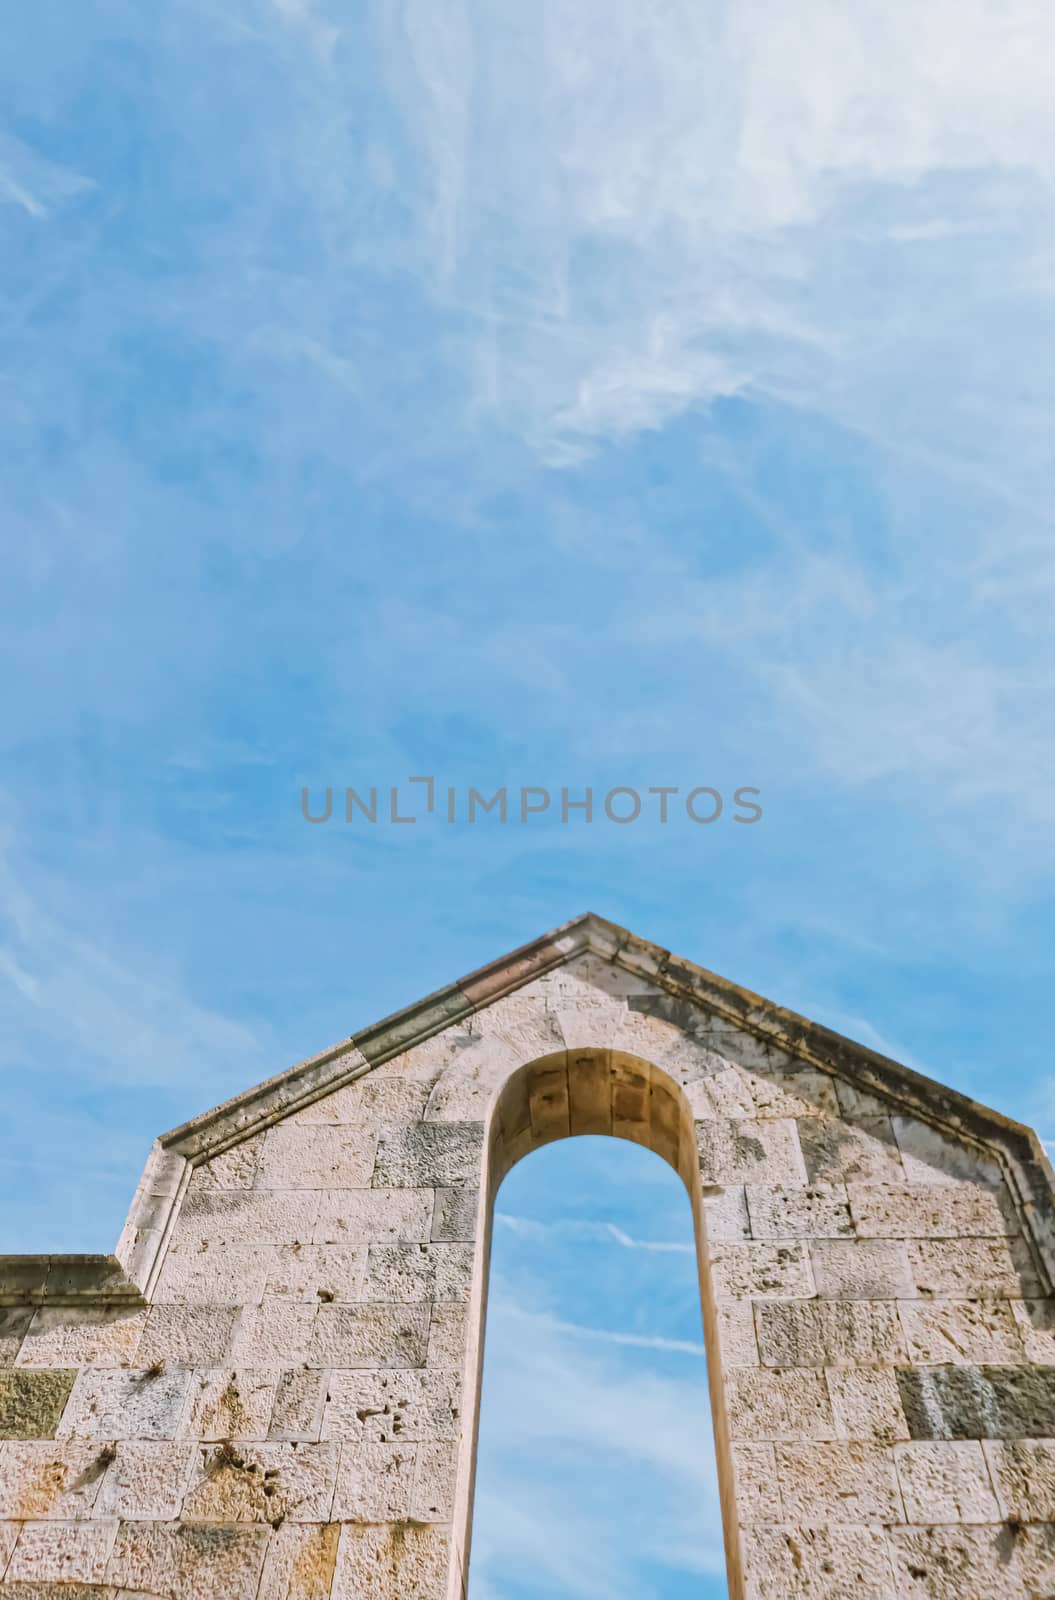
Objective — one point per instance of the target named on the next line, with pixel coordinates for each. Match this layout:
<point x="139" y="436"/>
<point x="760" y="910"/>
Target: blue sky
<point x="596" y="1465"/>
<point x="550" y="395"/>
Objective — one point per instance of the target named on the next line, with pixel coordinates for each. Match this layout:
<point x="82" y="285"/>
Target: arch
<point x="567" y="1094"/>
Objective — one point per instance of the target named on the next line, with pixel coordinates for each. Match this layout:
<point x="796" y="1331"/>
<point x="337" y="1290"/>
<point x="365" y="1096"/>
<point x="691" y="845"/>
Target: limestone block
<point x="979" y="1402"/>
<point x="818" y="1212"/>
<point x="230" y="1403"/>
<point x="866" y="1402"/>
<point x="1023" y="1473"/>
<point x="400" y="1407"/>
<point x="187" y="1336"/>
<point x="31" y="1402"/>
<point x="725" y="1214"/>
<point x="140" y="1250"/>
<point x="164" y="1172"/>
<point x="779" y="1406"/>
<point x="428" y="1155"/>
<point x="246" y="1216"/>
<point x="234" y="1169"/>
<point x="589" y="1093"/>
<point x="397" y="1561"/>
<point x="67" y="1336"/>
<point x="760" y="1271"/>
<point x="735" y="1092"/>
<point x="370" y="1336"/>
<point x="757" y="1488"/>
<point x="797" y="1563"/>
<point x="670" y="1129"/>
<point x="597" y="967"/>
<point x="585" y="983"/>
<point x="465" y="1089"/>
<point x="276" y="1333"/>
<point x="184" y="1562"/>
<point x="218" y="1274"/>
<point x="697" y="1097"/>
<point x="319" y="1156"/>
<point x="317" y="1272"/>
<point x="927" y="1211"/>
<point x="361" y="1216"/>
<point x="511" y="1132"/>
<point x="41" y="1479"/>
<point x="549" y="1101"/>
<point x="829" y="1333"/>
<point x="967" y="1268"/>
<point x="747" y="1051"/>
<point x="425" y="1061"/>
<point x="630" y="1079"/>
<point x="375" y="1482"/>
<point x="435" y="1473"/>
<point x="413" y="1272"/>
<point x="447" y="1335"/>
<point x="930" y="1156"/>
<point x="750" y="1152"/>
<point x="14" y="1321"/>
<point x="244" y="1482"/>
<point x="957" y="1563"/>
<point x="9" y="1532"/>
<point x="1033" y="1548"/>
<point x="299" y="1397"/>
<point x="1036" y="1323"/>
<point x="838" y="1483"/>
<point x="147" y="1480"/>
<point x="300" y="1562"/>
<point x="124" y="1404"/>
<point x="964" y="1331"/>
<point x="946" y="1482"/>
<point x="735" y="1324"/>
<point x="368" y="1099"/>
<point x="524" y="1019"/>
<point x="857" y="1102"/>
<point x="455" y="1214"/>
<point x="61" y="1552"/>
<point x="689" y="1061"/>
<point x="837" y="1150"/>
<point x="862" y="1269"/>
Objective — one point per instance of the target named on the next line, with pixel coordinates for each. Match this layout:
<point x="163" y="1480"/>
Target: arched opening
<point x="596" y="1092"/>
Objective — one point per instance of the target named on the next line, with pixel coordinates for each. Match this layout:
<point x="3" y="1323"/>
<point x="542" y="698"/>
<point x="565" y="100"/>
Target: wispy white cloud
<point x="715" y="158"/>
<point x="846" y="215"/>
<point x="579" y="1228"/>
<point x="73" y="995"/>
<point x="636" y="1341"/>
<point x="643" y="1439"/>
<point x="38" y="186"/>
<point x="304" y="15"/>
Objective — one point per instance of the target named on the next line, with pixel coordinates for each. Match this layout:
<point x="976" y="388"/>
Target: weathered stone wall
<point x="287" y="1410"/>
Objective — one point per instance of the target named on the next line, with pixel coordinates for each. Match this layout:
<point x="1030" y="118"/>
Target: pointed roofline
<point x="131" y="1271"/>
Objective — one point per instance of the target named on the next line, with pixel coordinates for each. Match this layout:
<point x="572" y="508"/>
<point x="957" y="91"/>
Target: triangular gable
<point x="689" y="992"/>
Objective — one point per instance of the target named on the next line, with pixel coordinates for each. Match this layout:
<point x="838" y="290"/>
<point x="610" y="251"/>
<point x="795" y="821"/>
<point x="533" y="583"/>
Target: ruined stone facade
<point x="269" y="1392"/>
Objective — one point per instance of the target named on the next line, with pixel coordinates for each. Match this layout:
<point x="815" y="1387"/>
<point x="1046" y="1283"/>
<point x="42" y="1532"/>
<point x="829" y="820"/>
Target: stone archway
<point x="565" y="1094"/>
<point x="269" y="1389"/>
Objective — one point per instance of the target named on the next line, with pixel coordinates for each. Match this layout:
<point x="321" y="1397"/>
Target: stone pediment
<point x="688" y="997"/>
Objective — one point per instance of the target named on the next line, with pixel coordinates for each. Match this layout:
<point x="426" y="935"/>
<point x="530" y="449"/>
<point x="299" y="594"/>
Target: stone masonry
<point x="269" y="1391"/>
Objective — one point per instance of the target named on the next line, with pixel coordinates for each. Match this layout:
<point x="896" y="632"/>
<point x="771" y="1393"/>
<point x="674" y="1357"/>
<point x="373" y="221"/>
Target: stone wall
<point x="284" y="1409"/>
